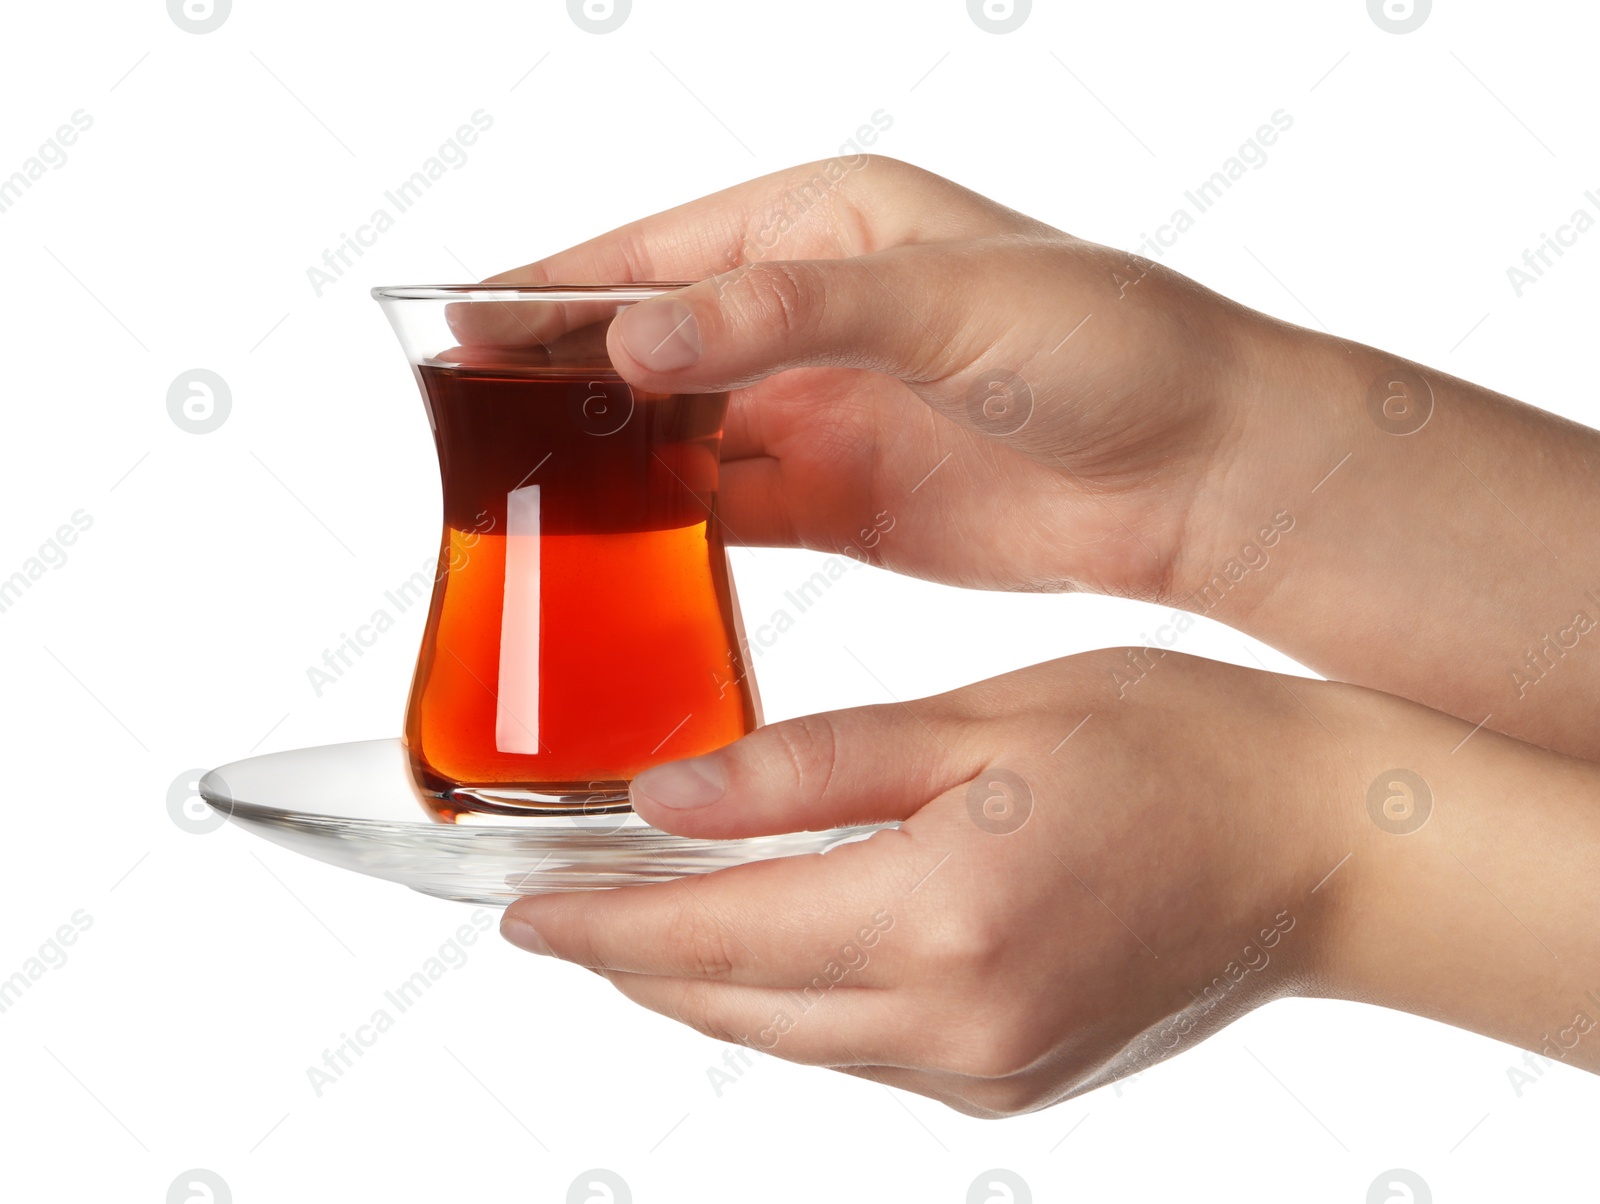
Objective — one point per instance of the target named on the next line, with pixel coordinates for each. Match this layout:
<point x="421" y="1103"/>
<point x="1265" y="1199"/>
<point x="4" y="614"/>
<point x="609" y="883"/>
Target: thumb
<point x="864" y="765"/>
<point x="924" y="314"/>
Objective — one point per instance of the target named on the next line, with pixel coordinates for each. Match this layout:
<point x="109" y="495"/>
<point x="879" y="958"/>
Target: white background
<point x="219" y="567"/>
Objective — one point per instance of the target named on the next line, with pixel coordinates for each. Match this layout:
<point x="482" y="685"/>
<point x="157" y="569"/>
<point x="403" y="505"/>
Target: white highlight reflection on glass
<point x="516" y="712"/>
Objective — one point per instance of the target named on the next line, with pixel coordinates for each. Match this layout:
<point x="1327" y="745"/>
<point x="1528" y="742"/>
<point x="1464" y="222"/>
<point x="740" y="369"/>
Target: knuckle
<point x="888" y="169"/>
<point x="1006" y="1098"/>
<point x="632" y="251"/>
<point x="812" y="746"/>
<point x="778" y="296"/>
<point x="701" y="943"/>
<point x="694" y="1006"/>
<point x="703" y="1020"/>
<point x="999" y="1053"/>
<point x="719" y="1031"/>
<point x="966" y="949"/>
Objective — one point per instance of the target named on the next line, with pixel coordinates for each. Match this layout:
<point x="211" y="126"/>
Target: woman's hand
<point x="926" y="378"/>
<point x="1087" y="883"/>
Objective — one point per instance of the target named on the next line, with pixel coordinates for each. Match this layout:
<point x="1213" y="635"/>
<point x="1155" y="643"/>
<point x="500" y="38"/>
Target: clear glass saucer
<point x="354" y="806"/>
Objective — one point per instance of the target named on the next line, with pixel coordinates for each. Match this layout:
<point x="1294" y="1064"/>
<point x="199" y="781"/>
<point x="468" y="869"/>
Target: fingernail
<point x="523" y="935"/>
<point x="682" y="785"/>
<point x="661" y="335"/>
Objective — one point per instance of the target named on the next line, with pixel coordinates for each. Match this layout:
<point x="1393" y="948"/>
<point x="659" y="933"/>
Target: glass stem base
<point x="451" y="801"/>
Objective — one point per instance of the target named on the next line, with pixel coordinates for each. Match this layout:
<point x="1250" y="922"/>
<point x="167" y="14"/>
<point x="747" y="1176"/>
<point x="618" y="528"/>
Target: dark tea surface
<point x="582" y="627"/>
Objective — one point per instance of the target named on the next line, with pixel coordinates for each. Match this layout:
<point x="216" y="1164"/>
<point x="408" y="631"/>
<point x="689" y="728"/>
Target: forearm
<point x="1457" y="564"/>
<point x="1487" y="915"/>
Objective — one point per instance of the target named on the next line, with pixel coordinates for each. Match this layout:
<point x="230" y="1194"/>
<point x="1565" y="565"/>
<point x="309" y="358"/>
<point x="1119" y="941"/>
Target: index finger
<point x="849" y="205"/>
<point x="774" y="923"/>
<point x="832" y="209"/>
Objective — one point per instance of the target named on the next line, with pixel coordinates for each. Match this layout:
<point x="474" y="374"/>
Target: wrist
<point x="1285" y="405"/>
<point x="1469" y="891"/>
<point x="1409" y="508"/>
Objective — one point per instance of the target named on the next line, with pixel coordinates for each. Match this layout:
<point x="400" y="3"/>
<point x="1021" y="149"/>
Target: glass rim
<point x="634" y="291"/>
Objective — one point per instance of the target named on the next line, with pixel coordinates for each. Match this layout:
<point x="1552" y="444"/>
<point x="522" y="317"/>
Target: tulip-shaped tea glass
<point x="583" y="624"/>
